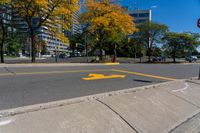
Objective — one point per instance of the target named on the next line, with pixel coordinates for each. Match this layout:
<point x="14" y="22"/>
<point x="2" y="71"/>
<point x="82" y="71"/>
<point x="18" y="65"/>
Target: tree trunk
<point x="2" y="53"/>
<point x="101" y="52"/>
<point x="174" y="54"/>
<point x="2" y="41"/>
<point x="115" y="54"/>
<point x="149" y="55"/>
<point x="101" y="40"/>
<point x="33" y="49"/>
<point x="135" y="51"/>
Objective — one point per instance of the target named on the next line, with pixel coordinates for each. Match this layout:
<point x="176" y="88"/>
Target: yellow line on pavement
<point x="52" y="72"/>
<point x="112" y="63"/>
<point x="145" y="75"/>
<point x="93" y="76"/>
<point x="6" y="74"/>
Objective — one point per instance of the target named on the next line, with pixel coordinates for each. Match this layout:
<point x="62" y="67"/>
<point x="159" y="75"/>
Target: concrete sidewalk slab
<point x="190" y="126"/>
<point x="189" y="91"/>
<point x="151" y="110"/>
<point x="86" y="117"/>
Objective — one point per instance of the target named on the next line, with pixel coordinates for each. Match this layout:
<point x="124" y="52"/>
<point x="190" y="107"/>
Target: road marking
<point x="94" y="78"/>
<point x="183" y="89"/>
<point x="102" y="76"/>
<point x="145" y="75"/>
<point x="53" y="72"/>
<point x="6" y="74"/>
<point x="116" y="63"/>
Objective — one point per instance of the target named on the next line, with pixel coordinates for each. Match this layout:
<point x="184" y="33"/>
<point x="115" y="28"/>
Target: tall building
<point x="52" y="43"/>
<point x="6" y="17"/>
<point x="76" y="27"/>
<point x="141" y="16"/>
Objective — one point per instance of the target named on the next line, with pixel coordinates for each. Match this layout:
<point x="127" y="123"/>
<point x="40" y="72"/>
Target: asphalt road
<point x="21" y="86"/>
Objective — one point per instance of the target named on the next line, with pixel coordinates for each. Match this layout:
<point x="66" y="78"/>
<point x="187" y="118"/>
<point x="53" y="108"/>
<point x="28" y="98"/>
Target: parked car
<point x="62" y="56"/>
<point x="191" y="58"/>
<point x="157" y="59"/>
<point x="45" y="56"/>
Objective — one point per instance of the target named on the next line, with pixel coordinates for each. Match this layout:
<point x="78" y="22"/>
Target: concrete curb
<point x="56" y="64"/>
<point x="43" y="106"/>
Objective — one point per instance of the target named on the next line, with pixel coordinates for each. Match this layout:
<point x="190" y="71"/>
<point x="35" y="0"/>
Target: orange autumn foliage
<point x="111" y="18"/>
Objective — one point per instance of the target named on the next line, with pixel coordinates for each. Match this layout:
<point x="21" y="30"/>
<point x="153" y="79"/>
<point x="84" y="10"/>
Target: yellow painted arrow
<point x="102" y="76"/>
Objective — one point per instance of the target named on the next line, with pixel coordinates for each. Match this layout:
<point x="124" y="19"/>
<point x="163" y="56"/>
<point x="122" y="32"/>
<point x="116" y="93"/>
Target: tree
<point x="136" y="46"/>
<point x="13" y="45"/>
<point x="4" y="24"/>
<point x="2" y="39"/>
<point x="40" y="45"/>
<point x="89" y="40"/>
<point x="151" y="33"/>
<point x="179" y="43"/>
<point x="74" y="40"/>
<point x="56" y="15"/>
<point x="4" y="1"/>
<point x="106" y="20"/>
<point x="114" y="41"/>
<point x="157" y="51"/>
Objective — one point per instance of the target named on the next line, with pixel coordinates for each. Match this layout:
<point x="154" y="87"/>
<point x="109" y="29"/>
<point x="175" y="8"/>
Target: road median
<point x="160" y="108"/>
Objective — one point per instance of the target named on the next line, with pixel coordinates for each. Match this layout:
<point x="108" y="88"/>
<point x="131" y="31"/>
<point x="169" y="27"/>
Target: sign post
<point x="198" y="25"/>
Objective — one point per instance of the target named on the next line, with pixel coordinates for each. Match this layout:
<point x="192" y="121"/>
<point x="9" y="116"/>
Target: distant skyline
<point x="178" y="15"/>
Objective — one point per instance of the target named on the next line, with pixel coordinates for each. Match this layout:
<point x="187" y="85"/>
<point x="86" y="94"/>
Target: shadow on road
<point x="144" y="81"/>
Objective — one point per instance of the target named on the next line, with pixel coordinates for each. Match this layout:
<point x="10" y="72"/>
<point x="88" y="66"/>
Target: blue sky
<point x="179" y="15"/>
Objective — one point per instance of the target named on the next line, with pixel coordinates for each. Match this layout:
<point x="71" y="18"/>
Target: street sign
<point x="198" y="23"/>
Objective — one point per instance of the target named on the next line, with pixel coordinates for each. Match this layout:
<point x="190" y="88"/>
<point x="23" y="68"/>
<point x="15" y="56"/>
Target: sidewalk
<point x="168" y="107"/>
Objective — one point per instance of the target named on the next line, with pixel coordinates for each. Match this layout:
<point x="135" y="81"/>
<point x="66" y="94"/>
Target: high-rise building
<point x="76" y="27"/>
<point x="52" y="43"/>
<point x="141" y="16"/>
<point x="6" y="17"/>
